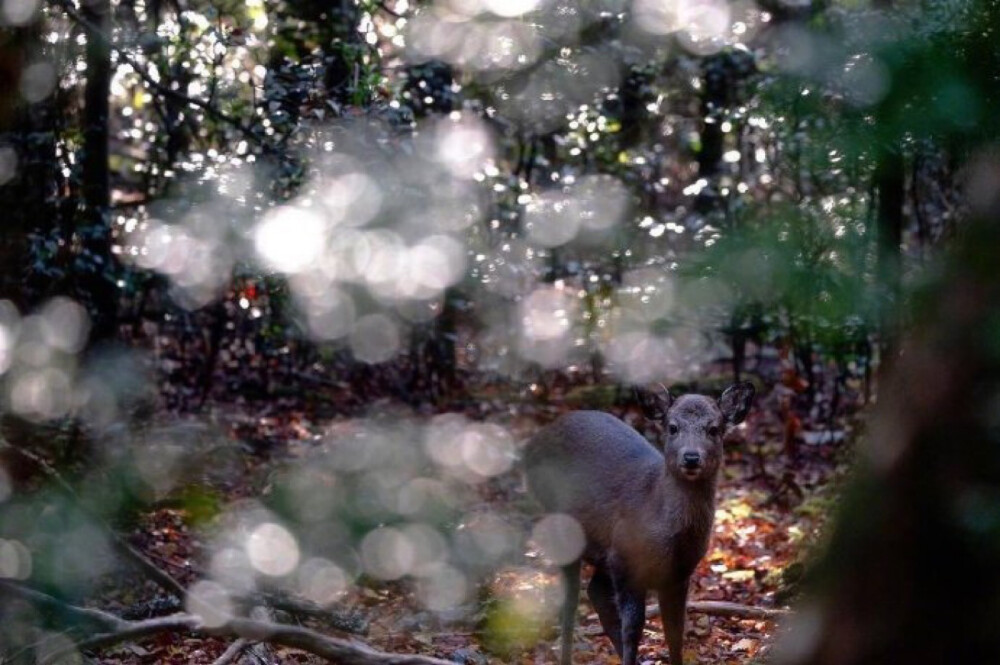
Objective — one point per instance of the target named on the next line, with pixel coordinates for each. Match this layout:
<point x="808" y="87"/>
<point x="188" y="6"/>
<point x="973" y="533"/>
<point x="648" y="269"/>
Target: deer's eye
<point x="673" y="429"/>
<point x="713" y="430"/>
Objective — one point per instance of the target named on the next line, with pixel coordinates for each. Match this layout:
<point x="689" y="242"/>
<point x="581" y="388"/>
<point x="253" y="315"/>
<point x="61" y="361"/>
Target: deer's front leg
<point x="673" y="604"/>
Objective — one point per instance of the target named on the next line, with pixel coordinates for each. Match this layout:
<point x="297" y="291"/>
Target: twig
<point x="233" y="652"/>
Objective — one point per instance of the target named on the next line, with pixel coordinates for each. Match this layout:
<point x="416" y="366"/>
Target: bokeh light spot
<point x="231" y="567"/>
<point x="321" y="581"/>
<point x="375" y="338"/>
<point x="8" y="164"/>
<point x="273" y="550"/>
<point x="487" y="449"/>
<point x="38" y="80"/>
<point x="10" y="325"/>
<point x="462" y="147"/>
<point x="387" y="553"/>
<point x="290" y="239"/>
<point x="15" y="560"/>
<point x="511" y="8"/>
<point x="442" y="588"/>
<point x="210" y="601"/>
<point x="65" y="324"/>
<point x="41" y="394"/>
<point x="552" y="219"/>
<point x="6" y="484"/>
<point x="547" y="317"/>
<point x="18" y="12"/>
<point x="559" y="537"/>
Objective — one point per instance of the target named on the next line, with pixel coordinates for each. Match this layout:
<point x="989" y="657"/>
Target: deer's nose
<point x="690" y="460"/>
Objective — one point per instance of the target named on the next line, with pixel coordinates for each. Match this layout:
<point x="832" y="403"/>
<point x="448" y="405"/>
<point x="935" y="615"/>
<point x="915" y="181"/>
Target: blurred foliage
<point x="509" y="628"/>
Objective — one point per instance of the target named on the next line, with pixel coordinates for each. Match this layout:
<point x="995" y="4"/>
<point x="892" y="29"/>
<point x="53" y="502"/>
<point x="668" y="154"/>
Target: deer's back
<point x="594" y="467"/>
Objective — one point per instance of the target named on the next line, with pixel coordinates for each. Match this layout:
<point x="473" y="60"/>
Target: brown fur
<point x="647" y="516"/>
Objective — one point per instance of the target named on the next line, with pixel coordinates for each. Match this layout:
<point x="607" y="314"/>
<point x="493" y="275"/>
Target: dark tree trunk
<point x="97" y="280"/>
<point x="890" y="190"/>
<point x="713" y="100"/>
<point x="722" y="75"/>
<point x="910" y="575"/>
<point x="27" y="131"/>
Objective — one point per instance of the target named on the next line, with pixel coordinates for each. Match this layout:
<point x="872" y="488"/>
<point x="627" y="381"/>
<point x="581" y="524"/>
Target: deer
<point x="646" y="514"/>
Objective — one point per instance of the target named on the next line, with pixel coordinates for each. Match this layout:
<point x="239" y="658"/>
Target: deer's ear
<point x="654" y="405"/>
<point x="735" y="402"/>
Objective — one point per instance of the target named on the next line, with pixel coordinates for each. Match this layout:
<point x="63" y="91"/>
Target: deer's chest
<point x="655" y="558"/>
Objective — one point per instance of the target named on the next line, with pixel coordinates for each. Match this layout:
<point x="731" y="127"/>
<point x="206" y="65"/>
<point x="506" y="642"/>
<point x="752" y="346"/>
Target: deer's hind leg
<point x="571" y="575"/>
<point x="601" y="592"/>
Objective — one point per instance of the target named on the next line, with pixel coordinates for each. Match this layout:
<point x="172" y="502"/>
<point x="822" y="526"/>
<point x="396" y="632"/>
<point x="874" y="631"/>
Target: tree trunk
<point x="97" y="280"/>
<point x="27" y="138"/>
<point x="714" y="94"/>
<point x="910" y="575"/>
<point x="890" y="190"/>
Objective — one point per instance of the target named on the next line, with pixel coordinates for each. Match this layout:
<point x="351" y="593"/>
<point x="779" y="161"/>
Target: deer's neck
<point x="689" y="506"/>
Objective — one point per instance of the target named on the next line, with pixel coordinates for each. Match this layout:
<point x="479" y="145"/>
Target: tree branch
<point x="159" y="87"/>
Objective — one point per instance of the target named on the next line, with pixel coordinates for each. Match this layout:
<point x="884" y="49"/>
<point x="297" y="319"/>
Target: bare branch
<point x="128" y="630"/>
<point x="346" y="652"/>
<point x="232" y="653"/>
<point x="721" y="608"/>
<point x="159" y="87"/>
<point x="82" y="614"/>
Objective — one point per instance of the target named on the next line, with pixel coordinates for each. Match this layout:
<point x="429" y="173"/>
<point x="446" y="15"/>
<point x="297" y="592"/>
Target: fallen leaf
<point x="739" y="575"/>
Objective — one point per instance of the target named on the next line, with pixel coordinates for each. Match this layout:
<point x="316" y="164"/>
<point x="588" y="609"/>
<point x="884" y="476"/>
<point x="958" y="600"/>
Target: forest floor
<point x="771" y="514"/>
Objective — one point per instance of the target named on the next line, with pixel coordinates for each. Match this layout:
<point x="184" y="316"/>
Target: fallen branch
<point x="334" y="617"/>
<point x="332" y="648"/>
<point x="346" y="652"/>
<point x="720" y="608"/>
<point x="232" y="653"/>
<point x="84" y="615"/>
<point x="261" y="653"/>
